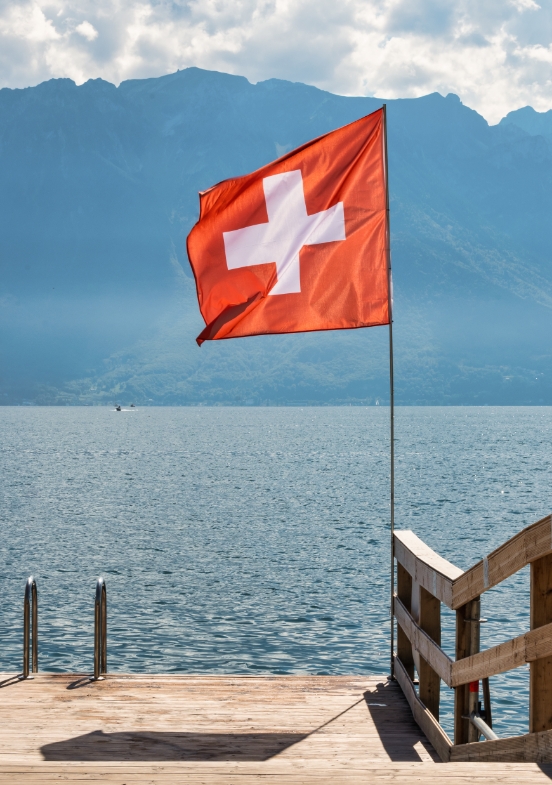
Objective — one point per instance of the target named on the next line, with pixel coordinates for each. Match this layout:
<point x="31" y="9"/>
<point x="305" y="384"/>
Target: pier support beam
<point x="466" y="697"/>
<point x="404" y="593"/>
<point x="540" y="690"/>
<point x="429" y="619"/>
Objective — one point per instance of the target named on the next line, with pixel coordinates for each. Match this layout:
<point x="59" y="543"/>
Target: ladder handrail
<point x="100" y="630"/>
<point x="31" y="596"/>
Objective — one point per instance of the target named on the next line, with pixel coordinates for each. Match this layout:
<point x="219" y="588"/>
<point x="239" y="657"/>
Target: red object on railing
<point x="474" y="686"/>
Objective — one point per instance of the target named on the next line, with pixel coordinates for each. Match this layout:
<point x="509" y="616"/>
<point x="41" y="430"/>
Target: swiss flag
<point x="299" y="245"/>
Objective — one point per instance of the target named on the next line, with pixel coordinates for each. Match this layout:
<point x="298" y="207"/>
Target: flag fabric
<point x="299" y="245"/>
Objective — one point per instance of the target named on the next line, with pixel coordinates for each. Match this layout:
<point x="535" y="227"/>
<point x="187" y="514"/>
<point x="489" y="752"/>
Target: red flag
<point x="299" y="245"/>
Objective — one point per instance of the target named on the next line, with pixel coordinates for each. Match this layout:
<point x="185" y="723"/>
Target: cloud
<point x="495" y="55"/>
<point x="87" y="30"/>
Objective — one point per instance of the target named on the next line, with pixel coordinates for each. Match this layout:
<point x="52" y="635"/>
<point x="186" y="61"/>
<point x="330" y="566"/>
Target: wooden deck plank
<point x="204" y="719"/>
<point x="133" y="730"/>
<point x="399" y="774"/>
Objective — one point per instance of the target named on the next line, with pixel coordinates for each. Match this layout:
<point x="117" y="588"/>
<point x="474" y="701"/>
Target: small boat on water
<point x="118" y="409"/>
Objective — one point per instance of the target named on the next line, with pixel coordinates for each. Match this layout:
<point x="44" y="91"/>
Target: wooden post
<point x="404" y="593"/>
<point x="540" y="689"/>
<point x="415" y="611"/>
<point x="473" y="688"/>
<point x="467" y="643"/>
<point x="430" y="622"/>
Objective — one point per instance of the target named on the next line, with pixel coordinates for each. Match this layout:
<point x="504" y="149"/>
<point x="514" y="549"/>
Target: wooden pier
<point x="225" y="730"/>
<point x="221" y="730"/>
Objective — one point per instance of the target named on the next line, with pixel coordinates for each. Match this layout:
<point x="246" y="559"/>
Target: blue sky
<point x="495" y="54"/>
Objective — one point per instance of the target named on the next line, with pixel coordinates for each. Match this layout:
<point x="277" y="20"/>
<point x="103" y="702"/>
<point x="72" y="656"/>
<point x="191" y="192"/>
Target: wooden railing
<point x="424" y="581"/>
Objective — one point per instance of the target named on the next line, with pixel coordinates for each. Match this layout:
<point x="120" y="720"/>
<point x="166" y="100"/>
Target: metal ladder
<point x="31" y="597"/>
<point x="30" y="630"/>
<point x="100" y="631"/>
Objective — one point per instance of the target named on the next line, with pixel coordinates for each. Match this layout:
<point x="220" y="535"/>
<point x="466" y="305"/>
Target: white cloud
<point x="495" y="55"/>
<point x="87" y="30"/>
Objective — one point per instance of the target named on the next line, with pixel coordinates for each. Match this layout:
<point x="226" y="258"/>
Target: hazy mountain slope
<point x="99" y="190"/>
<point x="530" y="121"/>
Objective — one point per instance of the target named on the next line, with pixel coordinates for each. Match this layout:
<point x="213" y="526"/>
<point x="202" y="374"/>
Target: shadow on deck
<point x="166" y="746"/>
<point x="385" y="705"/>
<point x="399" y="736"/>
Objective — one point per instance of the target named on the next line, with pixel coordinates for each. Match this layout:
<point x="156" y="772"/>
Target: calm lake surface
<point x="256" y="540"/>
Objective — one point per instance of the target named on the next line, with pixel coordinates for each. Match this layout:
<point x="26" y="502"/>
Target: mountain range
<point x="98" y="191"/>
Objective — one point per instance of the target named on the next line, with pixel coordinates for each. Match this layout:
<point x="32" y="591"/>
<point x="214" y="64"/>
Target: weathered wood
<point x="467" y="644"/>
<point x="430" y="622"/>
<point x="473" y="686"/>
<point x="404" y="593"/>
<point x="425" y="719"/>
<point x="424" y="644"/>
<point x="527" y="546"/>
<point x="506" y="656"/>
<point x="435" y="579"/>
<point x="540" y="689"/>
<point x="396" y="772"/>
<point x="453" y="586"/>
<point x="425" y="566"/>
<point x="232" y="730"/>
<point x="531" y="748"/>
<point x="217" y="725"/>
<point x="415" y="613"/>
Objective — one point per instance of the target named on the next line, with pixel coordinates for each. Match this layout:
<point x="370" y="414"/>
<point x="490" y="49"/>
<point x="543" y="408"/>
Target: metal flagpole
<point x="391" y="395"/>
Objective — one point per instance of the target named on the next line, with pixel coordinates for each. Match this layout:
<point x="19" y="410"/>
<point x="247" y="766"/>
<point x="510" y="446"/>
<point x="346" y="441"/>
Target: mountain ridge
<point x="100" y="190"/>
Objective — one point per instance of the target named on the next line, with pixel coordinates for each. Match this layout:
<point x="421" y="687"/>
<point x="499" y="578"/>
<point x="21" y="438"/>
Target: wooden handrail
<point x="453" y="586"/>
<point x="435" y="574"/>
<point x="529" y="647"/>
<point x="432" y="653"/>
<point x="423" y="580"/>
<point x="527" y="546"/>
<point x="531" y="747"/>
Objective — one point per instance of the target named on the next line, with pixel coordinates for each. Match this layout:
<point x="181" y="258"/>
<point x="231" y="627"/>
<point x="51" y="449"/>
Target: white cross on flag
<point x="289" y="228"/>
<point x="299" y="245"/>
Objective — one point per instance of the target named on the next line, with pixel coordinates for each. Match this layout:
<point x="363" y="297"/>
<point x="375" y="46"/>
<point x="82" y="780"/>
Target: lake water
<point x="256" y="540"/>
